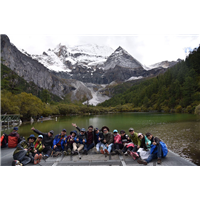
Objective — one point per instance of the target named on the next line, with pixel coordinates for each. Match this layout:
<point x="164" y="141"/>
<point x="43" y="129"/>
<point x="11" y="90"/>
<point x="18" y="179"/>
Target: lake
<point x="181" y="132"/>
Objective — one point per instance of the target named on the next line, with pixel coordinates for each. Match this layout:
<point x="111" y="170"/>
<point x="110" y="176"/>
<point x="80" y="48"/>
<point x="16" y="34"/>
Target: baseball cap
<point x="40" y="136"/>
<point x="115" y="131"/>
<point x="131" y="129"/>
<point x="51" y="132"/>
<point x="139" y="134"/>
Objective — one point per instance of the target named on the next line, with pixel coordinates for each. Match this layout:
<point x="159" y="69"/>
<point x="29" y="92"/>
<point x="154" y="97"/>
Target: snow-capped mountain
<point x="121" y="57"/>
<point x="81" y="72"/>
<point x="164" y="64"/>
<point x="64" y="58"/>
<point x="94" y="65"/>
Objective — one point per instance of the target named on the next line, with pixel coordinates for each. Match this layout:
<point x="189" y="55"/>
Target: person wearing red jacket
<point x="13" y="138"/>
<point x="117" y="142"/>
<point x="1" y="141"/>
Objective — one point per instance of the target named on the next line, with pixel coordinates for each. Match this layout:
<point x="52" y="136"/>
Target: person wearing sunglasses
<point x="24" y="151"/>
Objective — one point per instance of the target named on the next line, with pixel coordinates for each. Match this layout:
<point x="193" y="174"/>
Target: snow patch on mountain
<point x="64" y="57"/>
<point x="97" y="96"/>
<point x="50" y="60"/>
<point x="133" y="78"/>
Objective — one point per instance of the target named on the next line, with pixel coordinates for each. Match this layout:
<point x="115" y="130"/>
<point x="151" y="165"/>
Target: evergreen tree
<point x="45" y="96"/>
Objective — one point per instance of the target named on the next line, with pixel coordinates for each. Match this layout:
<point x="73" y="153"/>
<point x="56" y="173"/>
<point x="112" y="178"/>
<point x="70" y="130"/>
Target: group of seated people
<point x="140" y="147"/>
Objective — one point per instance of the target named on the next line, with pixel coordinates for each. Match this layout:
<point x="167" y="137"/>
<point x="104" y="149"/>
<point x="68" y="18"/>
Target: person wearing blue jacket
<point x="58" y="143"/>
<point x="158" y="150"/>
<point x="80" y="142"/>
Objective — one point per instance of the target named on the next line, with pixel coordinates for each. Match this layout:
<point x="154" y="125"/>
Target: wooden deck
<point x="93" y="159"/>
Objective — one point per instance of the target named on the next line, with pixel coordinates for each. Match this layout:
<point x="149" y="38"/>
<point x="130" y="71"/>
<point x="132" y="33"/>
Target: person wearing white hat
<point x="38" y="144"/>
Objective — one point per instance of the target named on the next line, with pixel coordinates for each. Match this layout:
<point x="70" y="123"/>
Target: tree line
<point x="177" y="90"/>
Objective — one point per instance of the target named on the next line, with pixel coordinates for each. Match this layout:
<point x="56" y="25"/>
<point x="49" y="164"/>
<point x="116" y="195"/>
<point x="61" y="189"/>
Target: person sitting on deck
<point x="68" y="142"/>
<point x="125" y="139"/>
<point x="13" y="138"/>
<point x="158" y="150"/>
<point x="80" y="142"/>
<point x="58" y="143"/>
<point x="47" y="142"/>
<point x="134" y="138"/>
<point x="24" y="152"/>
<point x="145" y="146"/>
<point x="98" y="140"/>
<point x="39" y="146"/>
<point x="4" y="140"/>
<point x="118" y="146"/>
<point x="129" y="147"/>
<point x="90" y="137"/>
<point x="107" y="141"/>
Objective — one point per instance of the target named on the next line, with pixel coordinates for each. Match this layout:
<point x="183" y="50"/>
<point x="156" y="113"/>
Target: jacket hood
<point x="13" y="134"/>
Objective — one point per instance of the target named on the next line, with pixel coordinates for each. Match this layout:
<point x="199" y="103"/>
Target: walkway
<point x="93" y="159"/>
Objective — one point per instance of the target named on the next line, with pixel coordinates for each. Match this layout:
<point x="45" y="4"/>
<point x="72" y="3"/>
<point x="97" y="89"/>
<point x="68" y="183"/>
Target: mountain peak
<point x="119" y="48"/>
<point x="122" y="58"/>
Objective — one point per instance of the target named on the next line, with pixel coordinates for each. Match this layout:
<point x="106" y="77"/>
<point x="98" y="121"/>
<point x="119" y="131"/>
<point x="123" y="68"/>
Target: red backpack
<point x="12" y="141"/>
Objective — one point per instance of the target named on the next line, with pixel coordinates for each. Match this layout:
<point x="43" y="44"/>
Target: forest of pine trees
<point x="177" y="90"/>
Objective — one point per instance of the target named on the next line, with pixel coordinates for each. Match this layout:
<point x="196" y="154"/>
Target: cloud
<point x="146" y="48"/>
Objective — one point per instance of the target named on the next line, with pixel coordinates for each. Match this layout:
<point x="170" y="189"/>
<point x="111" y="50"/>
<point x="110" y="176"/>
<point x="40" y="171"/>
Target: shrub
<point x="178" y="109"/>
<point x="197" y="110"/>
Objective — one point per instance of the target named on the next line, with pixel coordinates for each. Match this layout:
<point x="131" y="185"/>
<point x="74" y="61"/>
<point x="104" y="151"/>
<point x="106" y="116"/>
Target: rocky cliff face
<point x="32" y="70"/>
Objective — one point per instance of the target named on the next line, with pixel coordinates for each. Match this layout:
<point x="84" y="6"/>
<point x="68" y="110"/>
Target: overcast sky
<point x="146" y="48"/>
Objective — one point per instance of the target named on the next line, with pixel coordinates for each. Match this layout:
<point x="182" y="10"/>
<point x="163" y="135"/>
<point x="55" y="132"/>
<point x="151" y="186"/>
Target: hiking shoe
<point x="16" y="163"/>
<point x="134" y="155"/>
<point x="159" y="161"/>
<point x="96" y="151"/>
<point x="73" y="152"/>
<point x="39" y="158"/>
<point x="117" y="151"/>
<point x="102" y="151"/>
<point x="45" y="157"/>
<point x="120" y="151"/>
<point x="85" y="152"/>
<point x="76" y="152"/>
<point x="56" y="154"/>
<point x="113" y="153"/>
<point x="69" y="151"/>
<point x="142" y="162"/>
<point x="126" y="154"/>
<point x="35" y="159"/>
<point x="64" y="153"/>
<point x="106" y="151"/>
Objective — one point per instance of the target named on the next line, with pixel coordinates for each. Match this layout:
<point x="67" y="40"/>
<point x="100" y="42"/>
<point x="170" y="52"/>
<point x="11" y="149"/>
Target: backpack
<point x="164" y="149"/>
